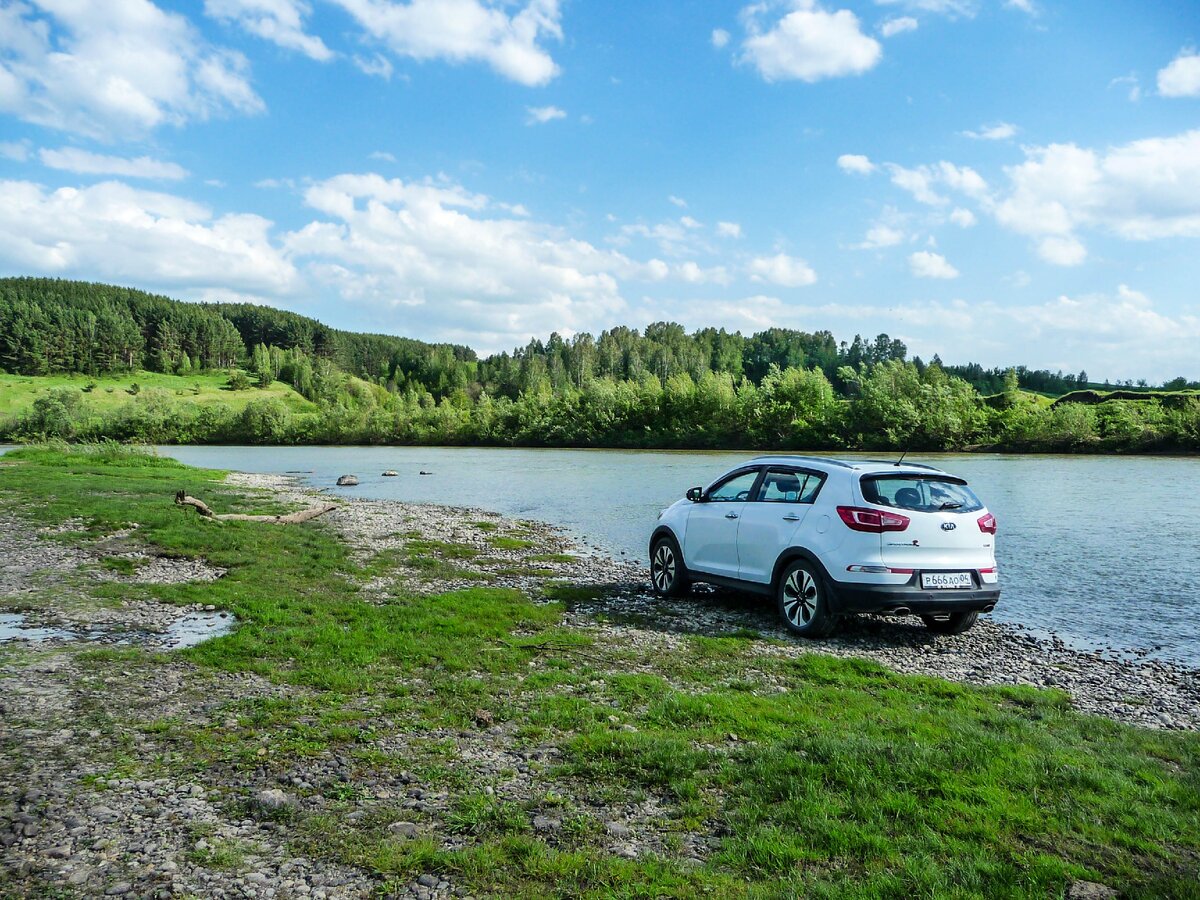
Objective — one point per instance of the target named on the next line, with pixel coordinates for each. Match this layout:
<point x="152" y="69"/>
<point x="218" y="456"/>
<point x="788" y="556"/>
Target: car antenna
<point x="901" y="459"/>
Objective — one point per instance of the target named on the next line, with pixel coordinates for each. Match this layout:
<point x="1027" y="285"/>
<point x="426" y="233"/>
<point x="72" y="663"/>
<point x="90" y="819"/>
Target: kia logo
<point x="948" y="526"/>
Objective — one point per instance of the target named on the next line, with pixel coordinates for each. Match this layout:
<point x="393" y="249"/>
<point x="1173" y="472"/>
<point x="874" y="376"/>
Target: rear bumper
<point x="851" y="597"/>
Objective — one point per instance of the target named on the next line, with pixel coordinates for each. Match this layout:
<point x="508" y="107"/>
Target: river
<point x="1103" y="551"/>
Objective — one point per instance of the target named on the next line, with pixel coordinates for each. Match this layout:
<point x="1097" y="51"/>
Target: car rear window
<point x="921" y="493"/>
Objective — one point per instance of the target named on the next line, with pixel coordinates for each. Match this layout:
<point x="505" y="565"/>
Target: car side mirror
<point x="695" y="494"/>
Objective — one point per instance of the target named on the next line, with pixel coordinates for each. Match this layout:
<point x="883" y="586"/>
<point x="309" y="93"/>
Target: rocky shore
<point x="92" y="803"/>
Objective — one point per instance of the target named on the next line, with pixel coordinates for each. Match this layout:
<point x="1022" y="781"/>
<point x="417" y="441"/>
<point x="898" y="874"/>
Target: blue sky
<point x="1001" y="181"/>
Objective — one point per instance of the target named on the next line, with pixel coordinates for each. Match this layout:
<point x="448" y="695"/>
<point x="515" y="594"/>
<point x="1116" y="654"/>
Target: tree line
<point x="660" y="387"/>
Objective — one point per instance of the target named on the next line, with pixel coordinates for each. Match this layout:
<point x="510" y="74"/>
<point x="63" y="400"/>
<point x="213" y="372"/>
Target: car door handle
<point x="790" y="517"/>
<point x="731" y="515"/>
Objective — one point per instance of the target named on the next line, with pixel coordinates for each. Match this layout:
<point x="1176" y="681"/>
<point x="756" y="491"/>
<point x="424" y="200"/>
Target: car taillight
<point x="873" y="520"/>
<point x="987" y="524"/>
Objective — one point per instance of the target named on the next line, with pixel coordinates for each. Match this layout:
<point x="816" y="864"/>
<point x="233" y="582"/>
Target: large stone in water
<point x="347" y="481"/>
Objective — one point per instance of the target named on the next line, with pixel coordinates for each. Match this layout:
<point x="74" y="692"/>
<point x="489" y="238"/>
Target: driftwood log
<point x="303" y="515"/>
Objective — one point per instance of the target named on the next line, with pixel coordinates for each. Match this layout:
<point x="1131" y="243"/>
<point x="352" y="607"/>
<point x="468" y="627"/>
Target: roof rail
<point x="827" y="460"/>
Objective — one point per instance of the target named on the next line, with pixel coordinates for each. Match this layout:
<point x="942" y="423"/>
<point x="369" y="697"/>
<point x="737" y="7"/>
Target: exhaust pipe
<point x="901" y="611"/>
<point x="988" y="609"/>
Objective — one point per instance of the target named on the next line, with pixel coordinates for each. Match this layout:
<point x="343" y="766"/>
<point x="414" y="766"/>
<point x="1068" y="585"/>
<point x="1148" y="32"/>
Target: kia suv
<point x="828" y="537"/>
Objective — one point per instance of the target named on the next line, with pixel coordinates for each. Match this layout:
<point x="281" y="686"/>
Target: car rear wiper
<point x="950" y="505"/>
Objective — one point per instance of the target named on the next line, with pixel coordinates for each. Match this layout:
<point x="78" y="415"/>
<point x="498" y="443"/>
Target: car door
<point x="768" y="523"/>
<point x="710" y="542"/>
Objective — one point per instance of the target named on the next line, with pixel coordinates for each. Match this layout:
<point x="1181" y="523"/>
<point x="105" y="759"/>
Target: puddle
<point x="188" y="631"/>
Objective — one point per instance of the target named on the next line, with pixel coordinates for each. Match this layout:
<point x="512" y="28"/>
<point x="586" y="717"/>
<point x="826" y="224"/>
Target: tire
<point x="956" y="624"/>
<point x="668" y="577"/>
<point x="804" y="602"/>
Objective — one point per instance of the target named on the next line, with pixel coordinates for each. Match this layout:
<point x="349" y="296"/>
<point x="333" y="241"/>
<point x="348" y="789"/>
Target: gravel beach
<point x="78" y="827"/>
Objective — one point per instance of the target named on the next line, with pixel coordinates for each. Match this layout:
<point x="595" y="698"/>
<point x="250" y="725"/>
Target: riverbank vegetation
<point x="770" y="776"/>
<point x="88" y="361"/>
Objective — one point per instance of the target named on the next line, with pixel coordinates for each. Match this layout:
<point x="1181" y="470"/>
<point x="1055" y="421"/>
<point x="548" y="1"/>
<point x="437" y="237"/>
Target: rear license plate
<point x="943" y="580"/>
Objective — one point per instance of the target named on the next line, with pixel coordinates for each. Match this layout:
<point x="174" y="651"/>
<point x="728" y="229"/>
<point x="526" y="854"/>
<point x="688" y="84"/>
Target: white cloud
<point x="1025" y="6"/>
<point x="1001" y="131"/>
<point x="111" y="231"/>
<point x="855" y="164"/>
<point x="898" y="25"/>
<point x="119" y="68"/>
<point x="781" y="269"/>
<point x="1062" y="251"/>
<point x="462" y="31"/>
<point x="953" y="8"/>
<point x="925" y="264"/>
<point x="689" y="222"/>
<point x="880" y="235"/>
<point x="378" y="66"/>
<point x="808" y="43"/>
<point x="720" y="37"/>
<point x="474" y="273"/>
<point x="17" y="151"/>
<point x="540" y="115"/>
<point x="691" y="273"/>
<point x="677" y="201"/>
<point x="922" y="181"/>
<point x="1181" y="77"/>
<point x="963" y="218"/>
<point x="382" y="156"/>
<point x="729" y="229"/>
<point x="278" y="21"/>
<point x="72" y="159"/>
<point x="1144" y="190"/>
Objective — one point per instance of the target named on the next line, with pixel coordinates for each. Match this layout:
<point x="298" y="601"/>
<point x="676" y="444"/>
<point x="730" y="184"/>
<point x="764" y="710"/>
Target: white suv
<point x="827" y="537"/>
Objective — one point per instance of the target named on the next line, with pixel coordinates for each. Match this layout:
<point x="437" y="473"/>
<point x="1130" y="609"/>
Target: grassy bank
<point x="809" y="776"/>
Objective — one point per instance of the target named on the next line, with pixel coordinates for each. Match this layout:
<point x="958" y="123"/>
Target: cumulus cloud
<point x="72" y="159"/>
<point x="855" y="164"/>
<point x="1144" y="190"/>
<point x="808" y="43"/>
<point x="115" y="232"/>
<point x="278" y="21"/>
<point x="880" y="235"/>
<point x="118" y="68"/>
<point x="963" y="218"/>
<point x="720" y="37"/>
<point x="677" y="201"/>
<point x="783" y="270"/>
<point x="922" y="181"/>
<point x="925" y="264"/>
<point x="1181" y="78"/>
<point x="461" y="31"/>
<point x="17" y="151"/>
<point x="729" y="229"/>
<point x="540" y="115"/>
<point x="1001" y="131"/>
<point x="474" y="272"/>
<point x="898" y="25"/>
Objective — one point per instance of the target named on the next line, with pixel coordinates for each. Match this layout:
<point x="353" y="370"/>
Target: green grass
<point x="17" y="392"/>
<point x="851" y="781"/>
<point x="503" y="542"/>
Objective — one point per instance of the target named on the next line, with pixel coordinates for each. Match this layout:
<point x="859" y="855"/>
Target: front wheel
<point x="666" y="569"/>
<point x="804" y="601"/>
<point x="955" y="623"/>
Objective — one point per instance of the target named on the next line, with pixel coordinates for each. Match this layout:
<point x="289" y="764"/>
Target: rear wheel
<point x="954" y="623"/>
<point x="667" y="575"/>
<point x="804" y="600"/>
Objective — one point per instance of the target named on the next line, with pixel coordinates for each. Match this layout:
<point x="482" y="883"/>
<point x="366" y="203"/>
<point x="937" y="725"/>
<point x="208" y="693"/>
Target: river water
<point x="1103" y="551"/>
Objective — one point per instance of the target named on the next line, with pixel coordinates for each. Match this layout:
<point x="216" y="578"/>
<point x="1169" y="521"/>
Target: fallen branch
<point x="303" y="515"/>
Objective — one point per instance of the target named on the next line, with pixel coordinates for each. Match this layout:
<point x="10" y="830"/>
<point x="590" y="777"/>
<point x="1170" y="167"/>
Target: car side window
<point x="787" y="486"/>
<point x="733" y="489"/>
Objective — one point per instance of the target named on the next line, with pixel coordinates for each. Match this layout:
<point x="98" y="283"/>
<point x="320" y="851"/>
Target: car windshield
<point x="922" y="493"/>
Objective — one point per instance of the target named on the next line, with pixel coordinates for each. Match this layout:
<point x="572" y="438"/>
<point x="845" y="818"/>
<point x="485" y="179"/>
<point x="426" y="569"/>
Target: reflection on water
<point x="1100" y="550"/>
<point x="187" y="631"/>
